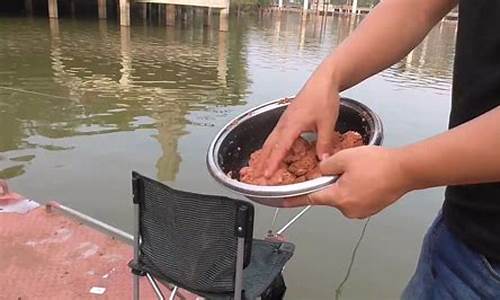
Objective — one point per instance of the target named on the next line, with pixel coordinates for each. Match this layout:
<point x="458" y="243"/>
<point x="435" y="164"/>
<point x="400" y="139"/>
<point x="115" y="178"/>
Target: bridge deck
<point x="201" y="3"/>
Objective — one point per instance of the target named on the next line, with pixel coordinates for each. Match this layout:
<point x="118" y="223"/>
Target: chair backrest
<point x="191" y="239"/>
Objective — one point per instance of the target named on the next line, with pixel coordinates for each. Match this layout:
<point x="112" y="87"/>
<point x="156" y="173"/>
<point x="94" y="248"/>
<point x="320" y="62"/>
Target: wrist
<point x="329" y="71"/>
<point x="409" y="165"/>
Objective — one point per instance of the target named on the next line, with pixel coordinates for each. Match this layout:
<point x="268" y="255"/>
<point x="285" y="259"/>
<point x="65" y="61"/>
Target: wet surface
<point x="83" y="103"/>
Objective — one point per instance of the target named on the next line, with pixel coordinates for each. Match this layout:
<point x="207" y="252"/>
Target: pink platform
<point x="46" y="254"/>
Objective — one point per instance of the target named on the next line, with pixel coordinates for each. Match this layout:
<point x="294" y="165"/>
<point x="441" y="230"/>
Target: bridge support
<point x="354" y="9"/>
<point x="188" y="13"/>
<point x="161" y="12"/>
<point x="72" y="8"/>
<point x="125" y="12"/>
<point x="207" y="16"/>
<point x="224" y="20"/>
<point x="224" y="17"/>
<point x="182" y="11"/>
<point x="144" y="11"/>
<point x="101" y="8"/>
<point x="170" y="15"/>
<point x="28" y="7"/>
<point x="53" y="14"/>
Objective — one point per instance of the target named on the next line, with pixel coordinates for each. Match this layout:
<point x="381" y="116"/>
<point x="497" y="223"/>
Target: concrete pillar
<point x="170" y="15"/>
<point x="183" y="13"/>
<point x="160" y="12"/>
<point x="224" y="18"/>
<point x="28" y="7"/>
<point x="352" y="22"/>
<point x="72" y="8"/>
<point x="53" y="14"/>
<point x="354" y="7"/>
<point x="207" y="17"/>
<point x="125" y="12"/>
<point x="150" y="12"/>
<point x="190" y="10"/>
<point x="144" y="11"/>
<point x="101" y="8"/>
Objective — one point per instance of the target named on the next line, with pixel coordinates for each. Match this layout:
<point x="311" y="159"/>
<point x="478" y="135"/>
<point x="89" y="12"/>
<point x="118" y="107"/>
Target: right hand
<point x="314" y="109"/>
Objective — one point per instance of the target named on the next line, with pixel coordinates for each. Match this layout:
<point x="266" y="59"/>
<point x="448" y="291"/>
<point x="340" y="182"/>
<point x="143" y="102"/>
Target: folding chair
<point x="203" y="244"/>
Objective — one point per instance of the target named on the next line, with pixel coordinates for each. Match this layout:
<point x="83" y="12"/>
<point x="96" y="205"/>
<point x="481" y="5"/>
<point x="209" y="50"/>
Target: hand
<point x="314" y="109"/>
<point x="371" y="178"/>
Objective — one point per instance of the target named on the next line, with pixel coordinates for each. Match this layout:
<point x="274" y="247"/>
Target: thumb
<point x="327" y="196"/>
<point x="335" y="164"/>
<point x="325" y="143"/>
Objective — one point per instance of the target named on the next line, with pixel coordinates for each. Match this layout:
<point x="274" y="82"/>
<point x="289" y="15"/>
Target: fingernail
<point x="324" y="156"/>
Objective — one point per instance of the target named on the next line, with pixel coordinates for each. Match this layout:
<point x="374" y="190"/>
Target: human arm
<point x="387" y="34"/>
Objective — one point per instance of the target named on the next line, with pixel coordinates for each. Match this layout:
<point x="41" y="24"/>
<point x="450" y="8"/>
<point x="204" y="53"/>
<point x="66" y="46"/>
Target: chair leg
<point x="238" y="278"/>
<point x="173" y="293"/>
<point x="136" y="287"/>
<point x="136" y="251"/>
<point x="155" y="287"/>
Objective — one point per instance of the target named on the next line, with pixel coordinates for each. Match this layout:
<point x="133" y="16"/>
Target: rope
<point x="31" y="92"/>
<point x="338" y="291"/>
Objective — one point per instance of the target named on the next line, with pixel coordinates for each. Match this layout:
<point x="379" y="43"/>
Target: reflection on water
<point x="101" y="80"/>
<point x="430" y="63"/>
<point x="82" y="103"/>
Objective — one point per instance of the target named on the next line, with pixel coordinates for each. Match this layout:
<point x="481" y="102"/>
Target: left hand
<point x="371" y="178"/>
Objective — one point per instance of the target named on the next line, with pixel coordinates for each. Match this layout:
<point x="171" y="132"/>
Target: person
<point x="460" y="256"/>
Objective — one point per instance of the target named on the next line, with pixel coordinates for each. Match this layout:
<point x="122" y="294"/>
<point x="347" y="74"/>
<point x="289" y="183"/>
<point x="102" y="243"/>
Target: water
<point x="83" y="103"/>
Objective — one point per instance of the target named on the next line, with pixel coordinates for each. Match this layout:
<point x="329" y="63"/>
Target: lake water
<point x="82" y="103"/>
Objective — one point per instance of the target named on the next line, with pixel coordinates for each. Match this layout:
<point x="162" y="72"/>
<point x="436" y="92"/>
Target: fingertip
<point x="325" y="167"/>
<point x="270" y="168"/>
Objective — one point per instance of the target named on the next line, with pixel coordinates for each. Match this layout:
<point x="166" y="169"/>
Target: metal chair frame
<point x="238" y="280"/>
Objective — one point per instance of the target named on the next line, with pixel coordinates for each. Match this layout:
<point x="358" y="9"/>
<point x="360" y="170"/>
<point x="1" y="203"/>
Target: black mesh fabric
<point x="259" y="278"/>
<point x="189" y="239"/>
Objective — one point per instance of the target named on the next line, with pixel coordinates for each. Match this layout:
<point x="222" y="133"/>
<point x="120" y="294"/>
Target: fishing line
<point x="32" y="92"/>
<point x="338" y="291"/>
